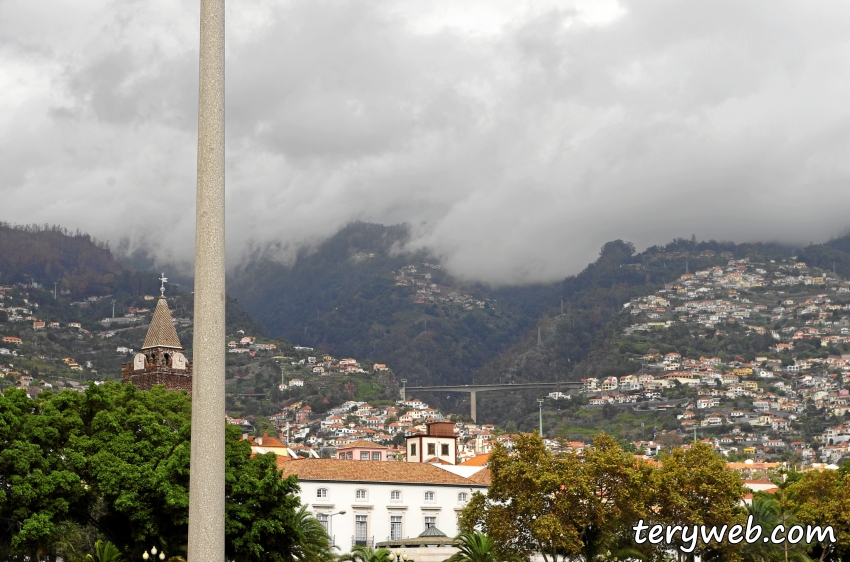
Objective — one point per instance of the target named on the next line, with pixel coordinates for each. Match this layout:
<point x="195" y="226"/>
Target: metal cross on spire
<point x="164" y="280"/>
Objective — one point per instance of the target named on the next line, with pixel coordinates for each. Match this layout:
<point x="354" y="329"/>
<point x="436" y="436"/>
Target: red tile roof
<point x="478" y="460"/>
<point x="376" y="471"/>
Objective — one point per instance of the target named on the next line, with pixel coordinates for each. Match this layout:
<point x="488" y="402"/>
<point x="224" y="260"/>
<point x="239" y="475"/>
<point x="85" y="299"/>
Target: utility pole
<point x="540" y="403"/>
<point x="206" y="480"/>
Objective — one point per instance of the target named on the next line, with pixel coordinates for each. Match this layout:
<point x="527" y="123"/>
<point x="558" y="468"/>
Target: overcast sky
<point x="515" y="138"/>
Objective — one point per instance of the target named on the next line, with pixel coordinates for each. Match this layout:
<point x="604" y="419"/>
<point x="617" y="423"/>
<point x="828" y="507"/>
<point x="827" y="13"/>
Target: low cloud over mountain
<point x="515" y="139"/>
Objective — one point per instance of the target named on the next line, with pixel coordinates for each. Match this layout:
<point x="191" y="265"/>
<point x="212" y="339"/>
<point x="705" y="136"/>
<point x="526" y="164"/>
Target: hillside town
<point x="747" y="408"/>
<point x="428" y="291"/>
<point x="758" y="405"/>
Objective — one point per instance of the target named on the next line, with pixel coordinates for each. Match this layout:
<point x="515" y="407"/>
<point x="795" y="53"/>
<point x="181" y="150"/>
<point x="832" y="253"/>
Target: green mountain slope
<point x="84" y="271"/>
<point x="346" y="296"/>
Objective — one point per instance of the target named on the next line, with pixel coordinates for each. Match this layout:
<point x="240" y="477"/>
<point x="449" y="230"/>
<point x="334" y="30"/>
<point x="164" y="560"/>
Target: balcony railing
<point x="363" y="541"/>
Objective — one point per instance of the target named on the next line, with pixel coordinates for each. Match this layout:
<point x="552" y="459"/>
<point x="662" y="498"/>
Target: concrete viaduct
<point x="474" y="389"/>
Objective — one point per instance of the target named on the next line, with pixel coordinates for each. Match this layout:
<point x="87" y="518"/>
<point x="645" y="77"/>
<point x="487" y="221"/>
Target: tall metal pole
<point x="540" y="402"/>
<point x="206" y="480"/>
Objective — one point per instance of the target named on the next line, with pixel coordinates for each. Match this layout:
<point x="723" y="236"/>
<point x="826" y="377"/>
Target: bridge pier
<point x="473" y="390"/>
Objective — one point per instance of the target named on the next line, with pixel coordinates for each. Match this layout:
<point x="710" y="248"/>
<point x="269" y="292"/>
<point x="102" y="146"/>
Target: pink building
<point x="362" y="451"/>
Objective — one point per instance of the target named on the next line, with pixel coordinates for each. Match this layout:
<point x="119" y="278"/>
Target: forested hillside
<point x="358" y="294"/>
<point x="354" y="295"/>
<point x="83" y="268"/>
<point x="51" y="254"/>
<point x="583" y="340"/>
<point x="344" y="296"/>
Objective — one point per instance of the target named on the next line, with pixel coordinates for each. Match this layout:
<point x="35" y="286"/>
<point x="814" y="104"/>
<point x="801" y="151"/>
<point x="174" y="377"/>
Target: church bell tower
<point x="161" y="359"/>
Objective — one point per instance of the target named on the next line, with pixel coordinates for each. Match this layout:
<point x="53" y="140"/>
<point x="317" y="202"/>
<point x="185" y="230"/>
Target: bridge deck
<point x="486" y="387"/>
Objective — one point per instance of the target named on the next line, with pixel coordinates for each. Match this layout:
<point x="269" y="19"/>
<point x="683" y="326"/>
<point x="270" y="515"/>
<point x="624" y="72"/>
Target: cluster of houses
<point x="737" y="393"/>
<point x="33" y="388"/>
<point x="249" y="345"/>
<point x="327" y="365"/>
<point x="355" y="421"/>
<point x="772" y="393"/>
<point x="24" y="312"/>
<point x="14" y="313"/>
<point x="367" y="493"/>
<point x="709" y="298"/>
<point x="427" y="291"/>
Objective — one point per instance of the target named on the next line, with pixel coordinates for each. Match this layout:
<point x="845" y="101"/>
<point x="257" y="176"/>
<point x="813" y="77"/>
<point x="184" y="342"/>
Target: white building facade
<point x="367" y="502"/>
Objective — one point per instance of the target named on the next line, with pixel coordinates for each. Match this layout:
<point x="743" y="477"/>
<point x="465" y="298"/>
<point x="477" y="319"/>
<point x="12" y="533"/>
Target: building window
<point x="429" y="496"/>
<point x="395" y="495"/>
<point x="360" y="494"/>
<point x="395" y="527"/>
<point x="444" y="450"/>
<point x="322" y="493"/>
<point x="349" y="455"/>
<point x="376" y="456"/>
<point x="364" y="456"/>
<point x="432" y="449"/>
<point x="323" y="519"/>
<point x="430" y="521"/>
<point x="413" y="449"/>
<point x="360" y="529"/>
<point x="461" y="497"/>
<point x="342" y="455"/>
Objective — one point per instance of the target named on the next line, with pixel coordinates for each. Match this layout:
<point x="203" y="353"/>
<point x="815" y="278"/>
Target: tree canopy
<point x="572" y="509"/>
<point x="115" y="460"/>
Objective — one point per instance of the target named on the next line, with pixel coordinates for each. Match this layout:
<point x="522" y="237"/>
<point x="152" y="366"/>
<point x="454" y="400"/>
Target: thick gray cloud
<point x="515" y="138"/>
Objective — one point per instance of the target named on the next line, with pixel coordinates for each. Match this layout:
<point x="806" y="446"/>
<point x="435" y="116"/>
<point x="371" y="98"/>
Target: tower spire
<point x="161" y="332"/>
<point x="163" y="279"/>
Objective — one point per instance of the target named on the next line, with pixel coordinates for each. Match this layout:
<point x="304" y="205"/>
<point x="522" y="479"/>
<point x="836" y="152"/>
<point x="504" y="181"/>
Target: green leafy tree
<point x="115" y="461"/>
<point x="40" y="483"/>
<point x="695" y="488"/>
<point x="260" y="507"/>
<point x="823" y="499"/>
<point x="367" y="554"/>
<point x="618" y="486"/>
<point x="528" y="507"/>
<point x="473" y="546"/>
<point x="137" y="449"/>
